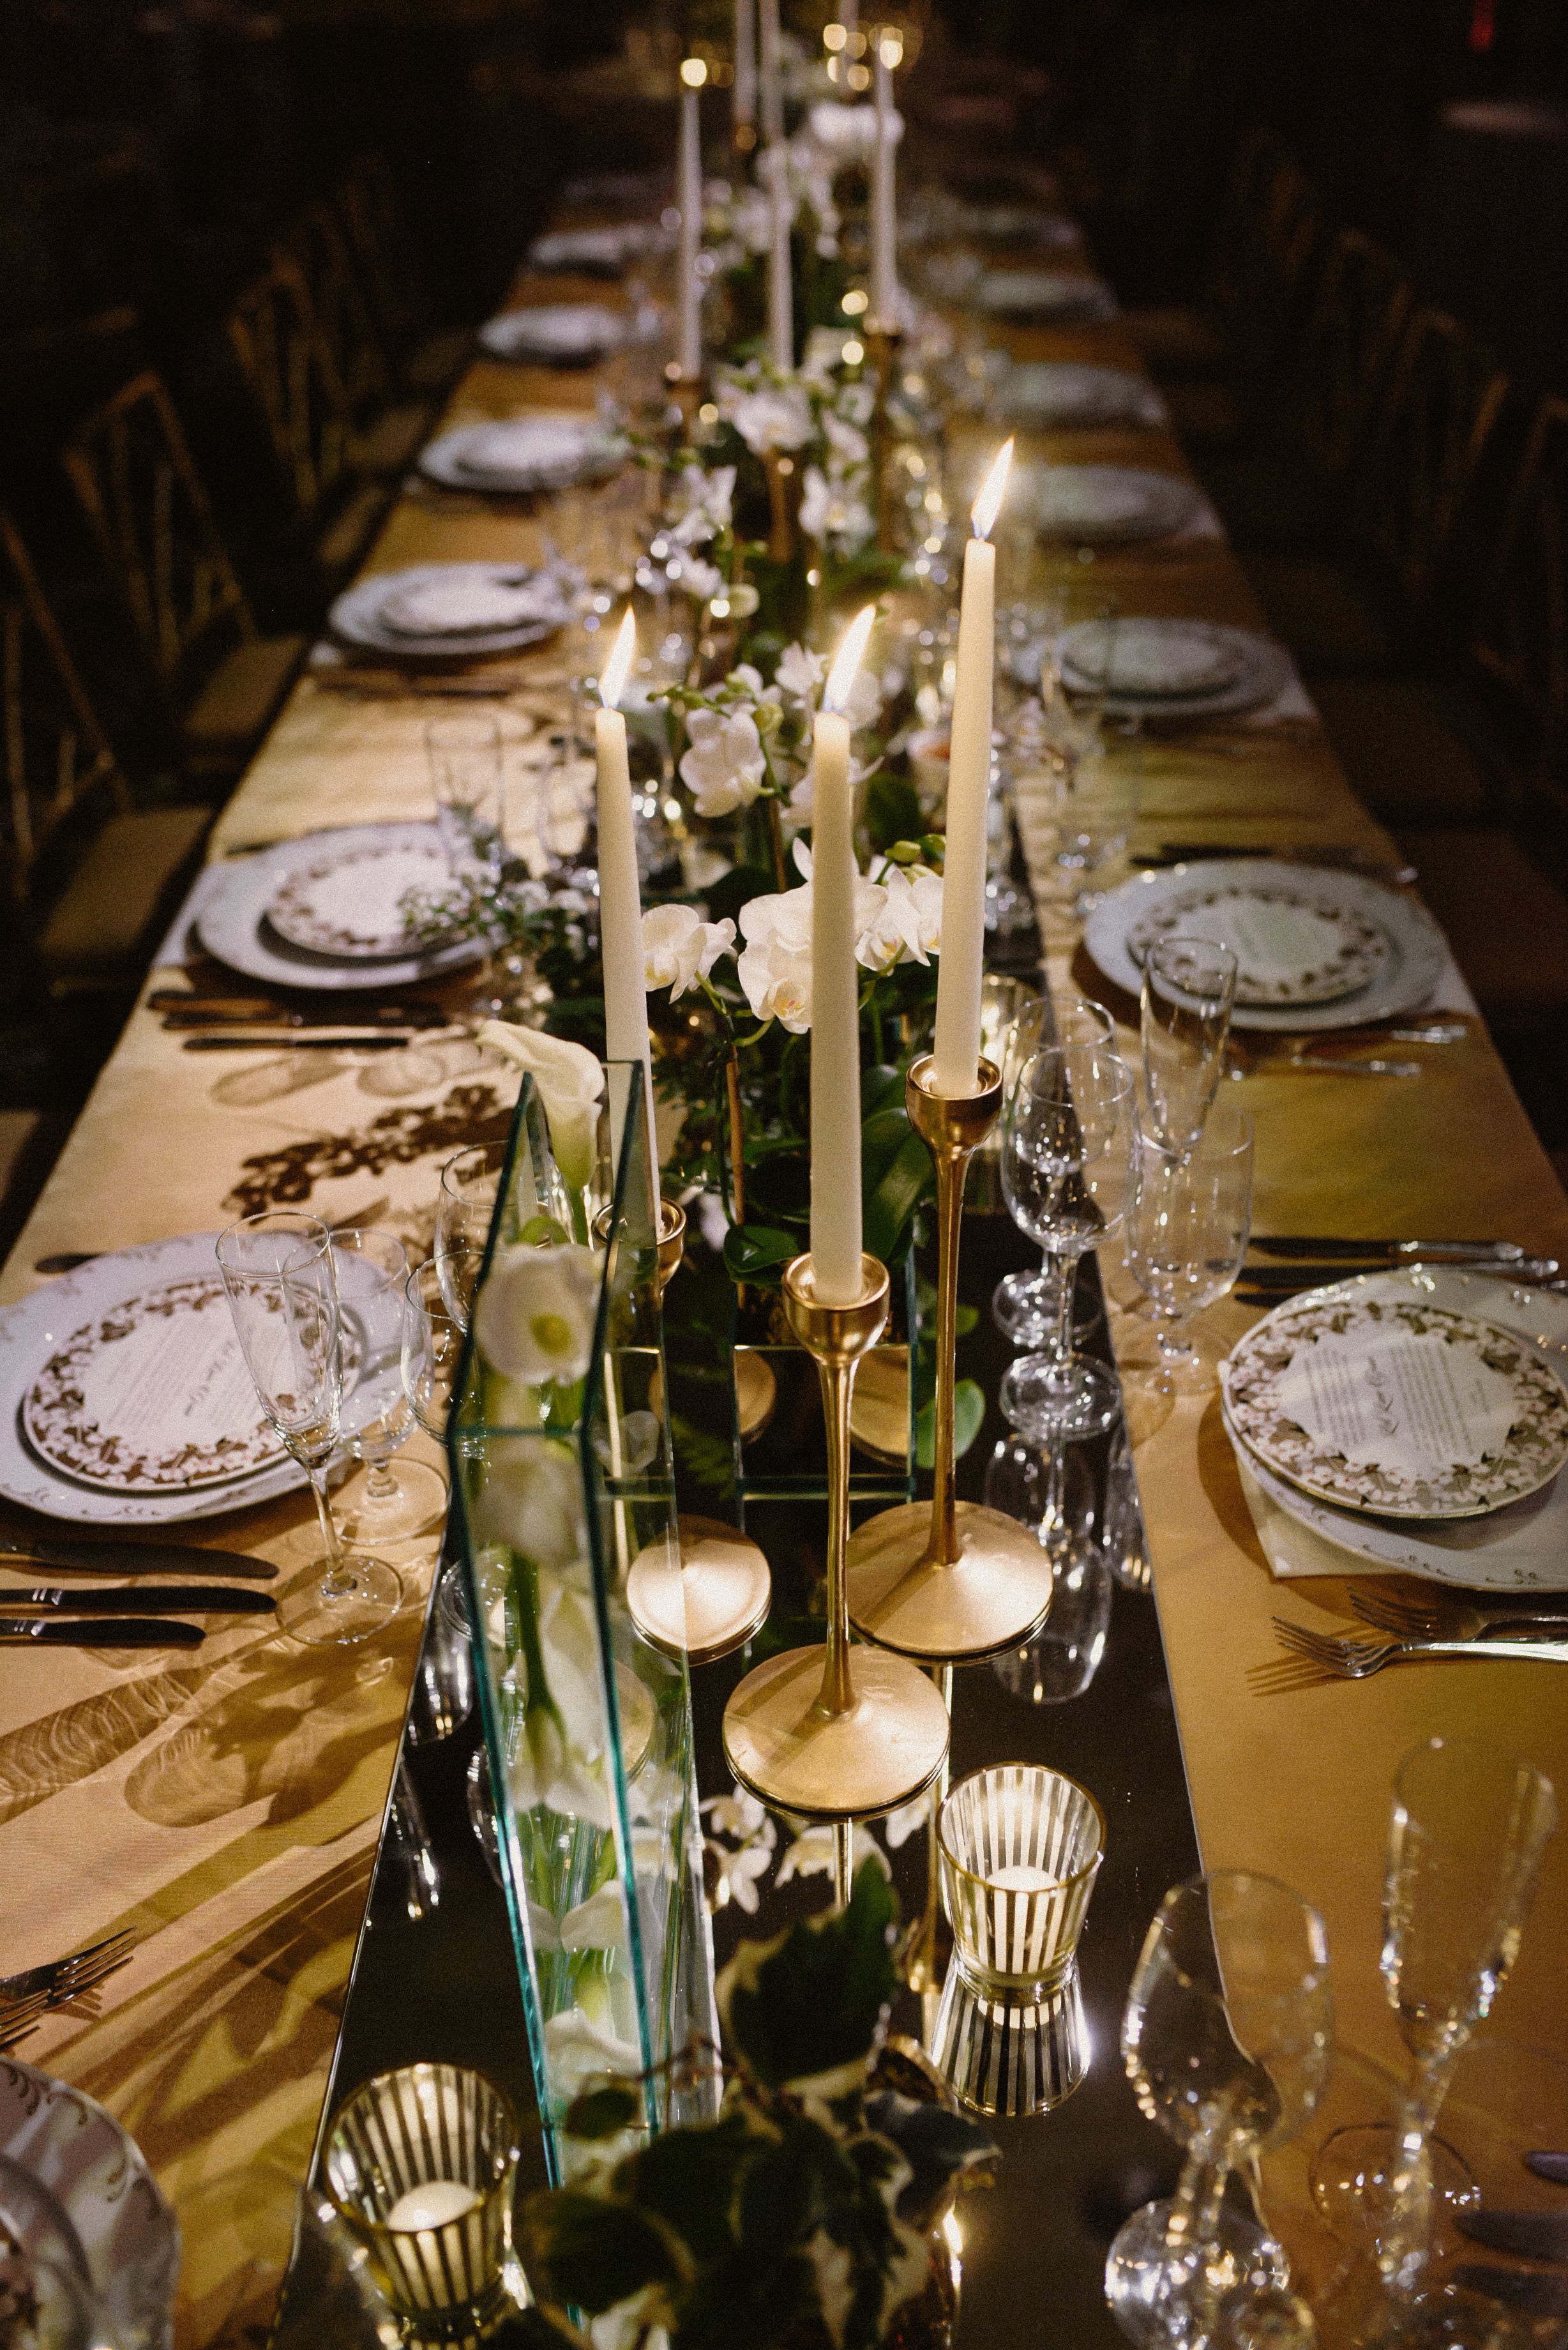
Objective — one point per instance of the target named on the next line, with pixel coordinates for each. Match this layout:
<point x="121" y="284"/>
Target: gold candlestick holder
<point x="685" y="394"/>
<point x="883" y="344"/>
<point x="950" y="1581"/>
<point x="829" y="1732"/>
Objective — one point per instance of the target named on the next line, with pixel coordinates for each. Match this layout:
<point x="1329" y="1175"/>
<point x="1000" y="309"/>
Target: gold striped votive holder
<point x="421" y="2165"/>
<point x="1020" y="1848"/>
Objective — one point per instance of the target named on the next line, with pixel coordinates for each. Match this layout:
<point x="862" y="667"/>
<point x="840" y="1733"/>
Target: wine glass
<point x="1052" y="1489"/>
<point x="1069" y="1158"/>
<point x="1188" y="1225"/>
<point x="432" y="1347"/>
<point x="465" y="1209"/>
<point x="1189" y="993"/>
<point x="1027" y="1307"/>
<point x="279" y="1272"/>
<point x="1227" y="2041"/>
<point x="1466" y="1834"/>
<point x="390" y="1502"/>
<point x="464" y="751"/>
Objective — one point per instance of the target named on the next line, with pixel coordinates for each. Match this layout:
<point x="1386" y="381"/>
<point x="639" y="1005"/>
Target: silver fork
<point x="1354" y="1655"/>
<point x="1452" y="1621"/>
<point x="62" y="1979"/>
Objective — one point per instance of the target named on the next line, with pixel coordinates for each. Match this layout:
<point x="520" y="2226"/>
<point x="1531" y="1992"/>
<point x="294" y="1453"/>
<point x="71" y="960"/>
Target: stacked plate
<point x="1102" y="506"/>
<point x="453" y="611"/>
<point x="524" y="454"/>
<point x="1315" y="949"/>
<point x="557" y="334"/>
<point x="124" y="1397"/>
<point x="1415" y="1420"/>
<point x="1060" y="393"/>
<point x="1044" y="294"/>
<point x="328" y="910"/>
<point x="597" y="252"/>
<point x="1165" y="669"/>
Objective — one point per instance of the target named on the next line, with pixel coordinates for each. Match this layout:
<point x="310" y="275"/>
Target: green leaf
<point x="812" y="1999"/>
<point x="744" y="2304"/>
<point x="936" y="2144"/>
<point x="735" y="889"/>
<point x="542" y="1231"/>
<point x="892" y="810"/>
<point x="692" y="2180"/>
<point x="969" y="1414"/>
<point x="881" y="1087"/>
<point x="602" y="2111"/>
<point x="592" y="2253"/>
<point x="964" y="1320"/>
<point x="751" y="1250"/>
<point x="898" y="1189"/>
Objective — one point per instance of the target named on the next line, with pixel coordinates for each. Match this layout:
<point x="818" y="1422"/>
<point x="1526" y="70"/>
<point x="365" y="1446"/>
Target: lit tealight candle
<point x="621" y="897"/>
<point x="835" y="1233"/>
<point x="434" y="2203"/>
<point x="1021" y="1878"/>
<point x="957" y="1045"/>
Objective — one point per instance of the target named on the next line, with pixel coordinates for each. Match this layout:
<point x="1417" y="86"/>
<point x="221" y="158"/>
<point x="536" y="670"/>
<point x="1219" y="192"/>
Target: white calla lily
<point x="571" y="1084"/>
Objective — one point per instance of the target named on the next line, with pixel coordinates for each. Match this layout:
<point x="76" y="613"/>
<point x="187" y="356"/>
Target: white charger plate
<point x="231" y="923"/>
<point x="1523" y="1547"/>
<point x="1044" y="294"/>
<point x="553" y="334"/>
<point x="40" y="1325"/>
<point x="1294" y="943"/>
<point x="358" y="614"/>
<point x="463" y="459"/>
<point x="1103" y="506"/>
<point x="598" y="252"/>
<point x="96" y="2172"/>
<point x="1261" y="671"/>
<point x="1417" y="959"/>
<point x="1067" y="392"/>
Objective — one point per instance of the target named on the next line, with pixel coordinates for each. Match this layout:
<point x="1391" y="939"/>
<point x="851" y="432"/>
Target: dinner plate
<point x="232" y="923"/>
<point x="1261" y="671"/>
<point x="398" y="612"/>
<point x="1416" y="961"/>
<point x="101" y="1294"/>
<point x="554" y="334"/>
<point x="1152" y="661"/>
<point x="1522" y="1546"/>
<point x="98" y="2177"/>
<point x="597" y="252"/>
<point x="522" y="455"/>
<point x="1295" y="941"/>
<point x="1064" y="392"/>
<point x="1043" y="294"/>
<point x="1100" y="506"/>
<point x="1397" y="1407"/>
<point x="346" y="901"/>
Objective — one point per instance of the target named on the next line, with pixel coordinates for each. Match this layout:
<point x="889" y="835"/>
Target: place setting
<point x="523" y="456"/>
<point x="554" y="334"/>
<point x="1111" y="506"/>
<point x="1044" y="296"/>
<point x="446" y="612"/>
<point x="1061" y="395"/>
<point x="608" y="251"/>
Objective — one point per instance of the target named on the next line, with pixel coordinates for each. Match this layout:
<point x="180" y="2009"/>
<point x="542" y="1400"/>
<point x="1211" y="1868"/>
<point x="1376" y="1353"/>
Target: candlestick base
<point x="685" y="394"/>
<point x="994" y="1594"/>
<point x="716" y="1601"/>
<point x="883" y="1751"/>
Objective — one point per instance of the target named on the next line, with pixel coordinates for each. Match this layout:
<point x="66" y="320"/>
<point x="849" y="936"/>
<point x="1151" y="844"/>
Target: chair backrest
<point x="315" y="239"/>
<point x="54" y="755"/>
<point x="367" y="202"/>
<point x="1347" y="349"/>
<point x="290" y="374"/>
<point x="147" y="506"/>
<point x="1521" y="637"/>
<point x="1261" y="294"/>
<point x="1444" y="395"/>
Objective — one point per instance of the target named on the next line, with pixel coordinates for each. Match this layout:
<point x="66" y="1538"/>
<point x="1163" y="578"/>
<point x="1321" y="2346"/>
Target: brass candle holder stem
<point x="783" y="506"/>
<point x="882" y="347"/>
<point x="919" y="1953"/>
<point x="952" y="1582"/>
<point x="843" y="1863"/>
<point x="737" y="1135"/>
<point x="686" y="396"/>
<point x="824" y="1731"/>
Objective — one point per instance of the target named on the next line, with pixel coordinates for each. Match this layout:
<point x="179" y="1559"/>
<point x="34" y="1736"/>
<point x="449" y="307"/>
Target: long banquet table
<point x="228" y="1811"/>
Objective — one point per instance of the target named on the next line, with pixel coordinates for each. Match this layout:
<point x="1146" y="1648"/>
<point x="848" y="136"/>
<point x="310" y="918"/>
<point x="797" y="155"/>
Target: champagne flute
<point x="1026" y="1306"/>
<point x="279" y="1274"/>
<point x="1189" y="993"/>
<point x="392" y="1500"/>
<point x="1186" y="1231"/>
<point x="465" y="1209"/>
<point x="1228" y="2040"/>
<point x="464" y="751"/>
<point x="432" y="1347"/>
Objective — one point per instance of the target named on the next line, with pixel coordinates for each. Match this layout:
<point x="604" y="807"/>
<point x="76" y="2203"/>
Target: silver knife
<point x="116" y="1632"/>
<point x="1536" y="2235"/>
<point x="68" y="1557"/>
<point x="1299" y="1271"/>
<point x="146" y="1599"/>
<point x="1328" y="1245"/>
<point x="293" y="1040"/>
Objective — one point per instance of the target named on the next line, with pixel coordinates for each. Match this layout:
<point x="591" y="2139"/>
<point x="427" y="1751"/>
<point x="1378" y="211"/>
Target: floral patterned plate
<point x="1294" y="941"/>
<point x="348" y="901"/>
<point x="1397" y="1407"/>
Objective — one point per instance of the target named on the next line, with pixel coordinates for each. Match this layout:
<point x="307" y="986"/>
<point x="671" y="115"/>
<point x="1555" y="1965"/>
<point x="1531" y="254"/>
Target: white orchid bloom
<point x="775" y="968"/>
<point x="724" y="767"/>
<point x="708" y="501"/>
<point x="812" y="1853"/>
<point x="534" y="1317"/>
<point x="799" y="672"/>
<point x="700" y="579"/>
<point x="847" y="441"/>
<point x="739" y="1814"/>
<point x="741" y="1874"/>
<point x="767" y="416"/>
<point x="571" y="1084"/>
<point x="900" y="1825"/>
<point x="882" y="937"/>
<point x="925" y="890"/>
<point x="818" y="504"/>
<point x="679" y="948"/>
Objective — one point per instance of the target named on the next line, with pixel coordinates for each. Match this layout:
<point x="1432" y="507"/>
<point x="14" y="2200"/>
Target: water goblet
<point x="1467" y="1830"/>
<point x="392" y="1500"/>
<point x="1069" y="1158"/>
<point x="432" y="1345"/>
<point x="1227" y="2041"/>
<point x="465" y="1209"/>
<point x="1026" y="1306"/>
<point x="1188" y="1225"/>
<point x="1188" y="993"/>
<point x="279" y="1272"/>
<point x="464" y="752"/>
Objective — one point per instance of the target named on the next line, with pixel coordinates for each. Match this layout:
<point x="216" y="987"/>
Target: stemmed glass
<point x="1188" y="1226"/>
<point x="1027" y="1307"/>
<point x="1189" y="993"/>
<point x="465" y="761"/>
<point x="1069" y="1160"/>
<point x="1468" y="1826"/>
<point x="389" y="1502"/>
<point x="465" y="1207"/>
<point x="279" y="1272"/>
<point x="1228" y="2040"/>
<point x="432" y="1347"/>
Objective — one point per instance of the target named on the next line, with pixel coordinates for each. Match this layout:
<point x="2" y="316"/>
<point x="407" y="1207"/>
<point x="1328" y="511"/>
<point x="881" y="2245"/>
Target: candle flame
<point x="693" y="72"/>
<point x="993" y="489"/>
<point x="890" y="47"/>
<point x="851" y="653"/>
<point x="617" y="669"/>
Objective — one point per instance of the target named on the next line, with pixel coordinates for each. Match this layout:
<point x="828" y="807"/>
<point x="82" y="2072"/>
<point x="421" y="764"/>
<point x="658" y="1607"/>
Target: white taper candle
<point x="781" y="268"/>
<point x="621" y="897"/>
<point x="884" y="208"/>
<point x="835" y="1226"/>
<point x="744" y="88"/>
<point x="770" y="73"/>
<point x="689" y="196"/>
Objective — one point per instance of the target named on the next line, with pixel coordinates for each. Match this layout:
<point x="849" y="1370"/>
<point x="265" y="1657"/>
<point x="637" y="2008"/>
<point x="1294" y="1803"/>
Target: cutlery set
<point x="251" y="1022"/>
<point x="25" y="1998"/>
<point x="1313" y="1260"/>
<point x="136" y="1615"/>
<point x="1341" y="856"/>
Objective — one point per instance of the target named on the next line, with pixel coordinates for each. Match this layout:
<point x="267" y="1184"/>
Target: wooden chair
<point x="388" y="430"/>
<point x="429" y="359"/>
<point x="289" y="372"/>
<point x="90" y="876"/>
<point x="217" y="680"/>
